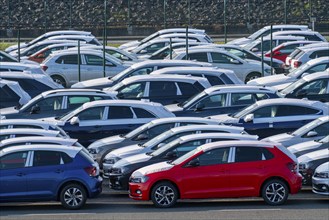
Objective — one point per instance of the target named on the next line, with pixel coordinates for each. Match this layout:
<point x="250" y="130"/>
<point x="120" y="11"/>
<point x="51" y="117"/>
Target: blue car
<point x="275" y="116"/>
<point x="48" y="172"/>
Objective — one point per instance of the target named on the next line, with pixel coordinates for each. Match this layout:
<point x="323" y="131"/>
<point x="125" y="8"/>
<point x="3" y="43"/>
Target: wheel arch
<point x="164" y="180"/>
<point x="273" y="178"/>
<point x="68" y="183"/>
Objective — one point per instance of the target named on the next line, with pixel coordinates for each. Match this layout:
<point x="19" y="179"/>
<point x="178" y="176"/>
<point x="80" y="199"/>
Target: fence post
<point x="225" y="31"/>
<point x="45" y="9"/>
<point x="262" y="55"/>
<point x="104" y="60"/>
<point x="285" y="11"/>
<point x="104" y="37"/>
<point x="79" y="67"/>
<point x="19" y="44"/>
<point x="186" y="47"/>
<point x="170" y="48"/>
<point x="70" y="14"/>
<point x="164" y="14"/>
<point x="271" y="48"/>
<point x="189" y="12"/>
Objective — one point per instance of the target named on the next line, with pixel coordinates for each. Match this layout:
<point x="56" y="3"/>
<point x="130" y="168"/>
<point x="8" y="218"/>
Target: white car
<point x="320" y="179"/>
<point x="12" y="94"/>
<point x="308" y="54"/>
<point x="21" y="67"/>
<point x="309" y="146"/>
<point x="133" y="44"/>
<point x="314" y="130"/>
<point x="281" y="81"/>
<point x="266" y="31"/>
<point x="22" y="132"/>
<point x="62" y="66"/>
<point x="245" y="70"/>
<point x="308" y="35"/>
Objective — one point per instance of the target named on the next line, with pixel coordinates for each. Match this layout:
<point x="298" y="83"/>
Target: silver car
<point x="63" y="67"/>
<point x="320" y="179"/>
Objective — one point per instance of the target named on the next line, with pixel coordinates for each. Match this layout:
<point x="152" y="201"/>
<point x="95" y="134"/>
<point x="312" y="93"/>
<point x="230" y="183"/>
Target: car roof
<point x="281" y="37"/>
<point x="239" y="88"/>
<point x="16" y="64"/>
<point x="183" y="119"/>
<point x="25" y="121"/>
<point x="17" y="74"/>
<point x="168" y="77"/>
<point x="70" y="150"/>
<point x="76" y="91"/>
<point x="169" y="30"/>
<point x="57" y="37"/>
<point x="287" y="25"/>
<point x="207" y="127"/>
<point x="7" y="82"/>
<point x="38" y="138"/>
<point x="302" y="102"/>
<point x="238" y="143"/>
<point x="27" y="131"/>
<point x="314" y="155"/>
<point x="131" y="103"/>
<point x="67" y="32"/>
<point x="193" y="69"/>
<point x="318" y="61"/>
<point x="298" y="42"/>
<point x="168" y="62"/>
<point x="310" y="49"/>
<point x="304" y="32"/>
<point x="318" y="75"/>
<point x="313" y="45"/>
<point x="192" y="137"/>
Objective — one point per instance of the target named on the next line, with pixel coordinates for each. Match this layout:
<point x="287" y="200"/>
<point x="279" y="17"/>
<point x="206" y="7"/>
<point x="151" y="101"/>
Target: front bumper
<point x="320" y="186"/>
<point x="119" y="182"/>
<point x="96" y="187"/>
<point x="139" y="191"/>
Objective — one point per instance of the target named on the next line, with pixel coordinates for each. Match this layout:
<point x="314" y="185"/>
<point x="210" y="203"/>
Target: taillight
<point x="297" y="63"/>
<point x="91" y="171"/>
<point x="44" y="68"/>
<point x="292" y="167"/>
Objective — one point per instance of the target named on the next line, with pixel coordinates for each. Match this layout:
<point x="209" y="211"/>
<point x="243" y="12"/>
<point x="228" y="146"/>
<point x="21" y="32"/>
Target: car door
<point x="210" y="105"/>
<point x="45" y="174"/>
<point x="92" y="67"/>
<point x="164" y="92"/>
<point x="68" y="66"/>
<point x="13" y="183"/>
<point x="248" y="170"/>
<point x="209" y="178"/>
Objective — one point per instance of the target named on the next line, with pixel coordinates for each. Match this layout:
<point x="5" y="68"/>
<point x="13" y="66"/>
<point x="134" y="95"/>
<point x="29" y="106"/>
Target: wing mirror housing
<point x="312" y="134"/>
<point x="35" y="109"/>
<point x="193" y="163"/>
<point x="249" y="118"/>
<point x="75" y="120"/>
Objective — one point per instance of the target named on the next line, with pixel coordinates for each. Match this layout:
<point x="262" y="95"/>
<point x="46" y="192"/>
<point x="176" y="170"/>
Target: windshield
<point x="69" y="115"/>
<point x="193" y="99"/>
<point x="166" y="147"/>
<point x="297" y="72"/>
<point x="245" y="111"/>
<point x="120" y="75"/>
<point x="257" y="34"/>
<point x="290" y="88"/>
<point x="158" y="139"/>
<point x="139" y="130"/>
<point x="116" y="87"/>
<point x="301" y="131"/>
<point x="27" y="105"/>
<point x="186" y="156"/>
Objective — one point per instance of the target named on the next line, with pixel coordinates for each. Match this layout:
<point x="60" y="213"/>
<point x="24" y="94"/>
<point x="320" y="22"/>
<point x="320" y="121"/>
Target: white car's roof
<point x="16" y="64"/>
<point x="313" y="45"/>
<point x="238" y="88"/>
<point x="23" y="75"/>
<point x="184" y="119"/>
<point x="303" y="32"/>
<point x="319" y="60"/>
<point x="242" y="143"/>
<point x="192" y="137"/>
<point x="4" y="82"/>
<point x="314" y="155"/>
<point x="172" y="30"/>
<point x="311" y="49"/>
<point x="194" y="69"/>
<point x="281" y="37"/>
<point x="67" y="32"/>
<point x="287" y="26"/>
<point x="168" y="62"/>
<point x="28" y="131"/>
<point x="85" y="37"/>
<point x="291" y="101"/>
<point x="233" y="129"/>
<point x="131" y="103"/>
<point x="77" y="91"/>
<point x="63" y="141"/>
<point x="318" y="75"/>
<point x="25" y="121"/>
<point x="71" y="151"/>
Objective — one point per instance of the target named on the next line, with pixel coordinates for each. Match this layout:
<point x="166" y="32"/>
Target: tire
<point x="73" y="196"/>
<point x="251" y="76"/>
<point x="164" y="195"/>
<point x="275" y="192"/>
<point x="60" y="80"/>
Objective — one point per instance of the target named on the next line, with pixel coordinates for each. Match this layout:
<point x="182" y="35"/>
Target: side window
<point x="49" y="104"/>
<point x="202" y="57"/>
<point x="142" y="113"/>
<point x="68" y="59"/>
<point x="76" y="101"/>
<point x="214" y="80"/>
<point x="221" y="58"/>
<point x="156" y="130"/>
<point x="213" y="101"/>
<point x="13" y="160"/>
<point x="188" y="146"/>
<point x="26" y="126"/>
<point x="242" y="99"/>
<point x="118" y="55"/>
<point x="162" y="89"/>
<point x="143" y="71"/>
<point x="91" y="114"/>
<point x="154" y="47"/>
<point x="314" y="87"/>
<point x="288" y="49"/>
<point x="289" y="110"/>
<point x="323" y="129"/>
<point x="135" y="90"/>
<point x="214" y="157"/>
<point x="261" y="96"/>
<point x="187" y="89"/>
<point x="247" y="154"/>
<point x="263" y="112"/>
<point x="93" y="60"/>
<point x="120" y="112"/>
<point x="317" y="68"/>
<point x="7" y="94"/>
<point x="47" y="158"/>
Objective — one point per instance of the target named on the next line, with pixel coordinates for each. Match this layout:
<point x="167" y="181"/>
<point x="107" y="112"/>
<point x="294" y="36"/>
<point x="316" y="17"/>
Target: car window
<point x="156" y="130"/>
<point x="221" y="58"/>
<point x="118" y="55"/>
<point x="135" y="90"/>
<point x="323" y="129"/>
<point x="27" y="126"/>
<point x="68" y="59"/>
<point x="29" y="84"/>
<point x="288" y="49"/>
<point x="242" y="98"/>
<point x="320" y="53"/>
<point x="78" y="100"/>
<point x="46" y="158"/>
<point x="48" y="104"/>
<point x="93" y="60"/>
<point x="202" y="57"/>
<point x="187" y="89"/>
<point x="13" y="160"/>
<point x="214" y="80"/>
<point x="142" y="113"/>
<point x="316" y="68"/>
<point x="213" y="101"/>
<point x="95" y="113"/>
<point x="314" y="87"/>
<point x="248" y="154"/>
<point x="292" y="110"/>
<point x="214" y="157"/>
<point x="7" y="95"/>
<point x="154" y="47"/>
<point x="163" y="89"/>
<point x="188" y="146"/>
<point x="263" y="112"/>
<point x="120" y="112"/>
<point x="142" y="71"/>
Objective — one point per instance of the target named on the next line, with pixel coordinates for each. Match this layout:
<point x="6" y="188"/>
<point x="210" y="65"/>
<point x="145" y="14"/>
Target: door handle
<point x="20" y="174"/>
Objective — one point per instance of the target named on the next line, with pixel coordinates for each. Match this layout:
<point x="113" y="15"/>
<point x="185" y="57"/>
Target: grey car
<point x="63" y="66"/>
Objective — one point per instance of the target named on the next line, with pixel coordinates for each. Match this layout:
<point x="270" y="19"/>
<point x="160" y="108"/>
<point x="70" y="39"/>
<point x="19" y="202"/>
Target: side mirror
<point x="312" y="134"/>
<point x="305" y="74"/>
<point x="108" y="63"/>
<point x="254" y="49"/>
<point x="35" y="109"/>
<point x="199" y="107"/>
<point x="142" y="137"/>
<point x="193" y="163"/>
<point x="301" y="93"/>
<point x="170" y="155"/>
<point x="277" y="53"/>
<point x="235" y="61"/>
<point x="142" y="52"/>
<point x="75" y="120"/>
<point x="249" y="118"/>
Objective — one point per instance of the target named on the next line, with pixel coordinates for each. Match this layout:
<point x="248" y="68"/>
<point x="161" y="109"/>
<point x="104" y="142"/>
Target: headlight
<point x="139" y="179"/>
<point x="322" y="175"/>
<point x="111" y="160"/>
<point x="118" y="170"/>
<point x="92" y="150"/>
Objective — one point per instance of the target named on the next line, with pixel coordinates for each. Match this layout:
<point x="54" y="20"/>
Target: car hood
<point x="154" y="168"/>
<point x="225" y="118"/>
<point x="240" y="41"/>
<point x="309" y="145"/>
<point x="271" y="80"/>
<point x="125" y="151"/>
<point x="138" y="158"/>
<point x="8" y="111"/>
<point x="174" y="108"/>
<point x="284" y="138"/>
<point x="106" y="141"/>
<point x="323" y="168"/>
<point x="94" y="83"/>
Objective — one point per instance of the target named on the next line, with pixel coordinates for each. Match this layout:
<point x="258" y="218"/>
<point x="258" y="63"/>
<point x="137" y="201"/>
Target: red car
<point x="220" y="170"/>
<point x="283" y="50"/>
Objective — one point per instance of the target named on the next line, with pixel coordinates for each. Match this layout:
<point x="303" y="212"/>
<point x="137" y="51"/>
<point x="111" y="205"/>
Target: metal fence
<point x="214" y="15"/>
